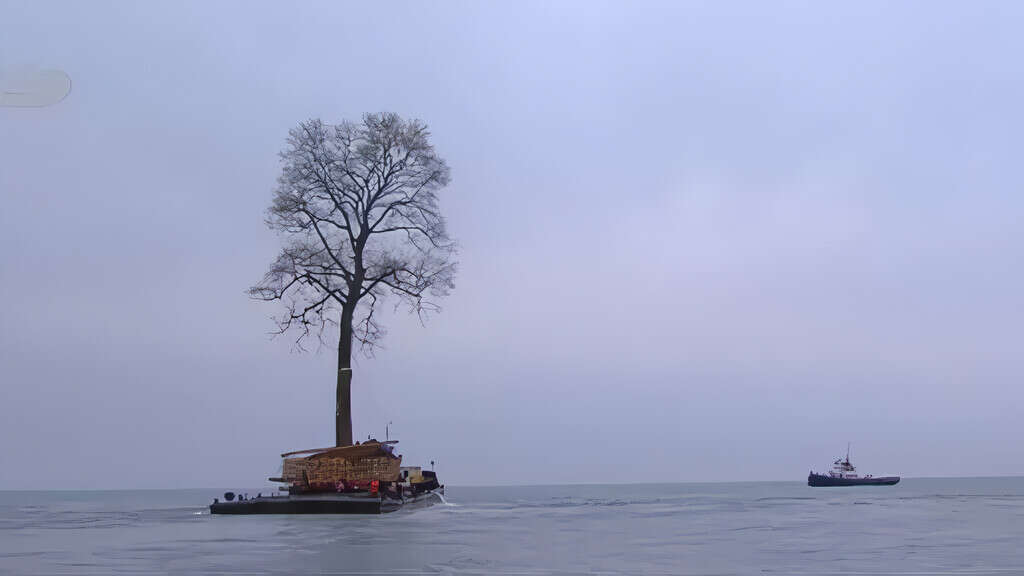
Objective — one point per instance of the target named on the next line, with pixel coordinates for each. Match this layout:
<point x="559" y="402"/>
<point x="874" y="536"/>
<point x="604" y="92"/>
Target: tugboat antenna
<point x="847" y="451"/>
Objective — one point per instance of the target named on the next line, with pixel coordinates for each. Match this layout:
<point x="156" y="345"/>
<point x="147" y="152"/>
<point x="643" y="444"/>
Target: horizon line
<point x="903" y="478"/>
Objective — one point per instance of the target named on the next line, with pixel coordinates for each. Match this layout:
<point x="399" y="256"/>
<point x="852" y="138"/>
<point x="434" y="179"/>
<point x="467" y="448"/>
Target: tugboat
<point x="844" y="474"/>
<point x="365" y="478"/>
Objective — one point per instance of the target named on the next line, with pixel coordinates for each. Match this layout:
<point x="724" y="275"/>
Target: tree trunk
<point x="343" y="406"/>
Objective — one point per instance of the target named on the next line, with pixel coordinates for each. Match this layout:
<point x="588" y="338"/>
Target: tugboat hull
<point x="821" y="480"/>
<point x="324" y="504"/>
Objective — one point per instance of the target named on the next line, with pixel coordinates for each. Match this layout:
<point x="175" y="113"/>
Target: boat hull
<point x="324" y="504"/>
<point x="821" y="480"/>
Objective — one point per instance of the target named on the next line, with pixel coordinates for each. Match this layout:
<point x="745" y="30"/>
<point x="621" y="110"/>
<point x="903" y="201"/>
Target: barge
<point x="364" y="478"/>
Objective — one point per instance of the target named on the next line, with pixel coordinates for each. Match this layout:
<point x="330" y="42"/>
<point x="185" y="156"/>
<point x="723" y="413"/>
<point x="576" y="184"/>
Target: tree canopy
<point x="357" y="208"/>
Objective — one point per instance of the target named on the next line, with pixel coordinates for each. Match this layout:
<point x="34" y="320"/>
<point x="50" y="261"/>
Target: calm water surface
<point x="925" y="526"/>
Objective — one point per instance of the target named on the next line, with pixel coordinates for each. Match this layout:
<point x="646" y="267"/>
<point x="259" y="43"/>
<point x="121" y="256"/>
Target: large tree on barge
<point x="357" y="209"/>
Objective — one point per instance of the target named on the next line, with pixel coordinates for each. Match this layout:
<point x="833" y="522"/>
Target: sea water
<point x="921" y="526"/>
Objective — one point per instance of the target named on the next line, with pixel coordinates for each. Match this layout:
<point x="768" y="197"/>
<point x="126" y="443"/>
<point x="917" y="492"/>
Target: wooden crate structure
<point x="361" y="463"/>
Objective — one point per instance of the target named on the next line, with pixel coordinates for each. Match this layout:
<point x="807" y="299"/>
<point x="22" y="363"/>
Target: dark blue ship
<point x="843" y="473"/>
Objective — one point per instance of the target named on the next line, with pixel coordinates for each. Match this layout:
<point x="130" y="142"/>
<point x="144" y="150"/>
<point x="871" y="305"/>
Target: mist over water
<point x="921" y="526"/>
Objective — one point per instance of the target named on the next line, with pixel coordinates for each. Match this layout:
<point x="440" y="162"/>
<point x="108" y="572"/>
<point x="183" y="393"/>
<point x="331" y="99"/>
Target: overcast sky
<point x="700" y="242"/>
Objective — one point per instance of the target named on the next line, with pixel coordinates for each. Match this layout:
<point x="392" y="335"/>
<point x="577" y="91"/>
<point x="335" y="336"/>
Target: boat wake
<point x="446" y="502"/>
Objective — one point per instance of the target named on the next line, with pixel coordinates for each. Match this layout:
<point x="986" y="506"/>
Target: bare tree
<point x="356" y="205"/>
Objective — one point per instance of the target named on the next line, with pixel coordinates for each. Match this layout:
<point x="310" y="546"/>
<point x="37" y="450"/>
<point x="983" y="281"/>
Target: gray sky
<point x="699" y="241"/>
